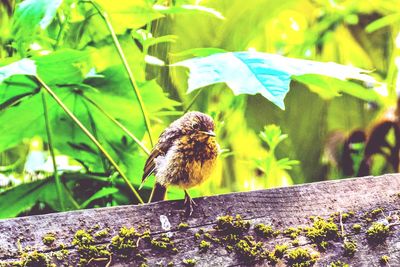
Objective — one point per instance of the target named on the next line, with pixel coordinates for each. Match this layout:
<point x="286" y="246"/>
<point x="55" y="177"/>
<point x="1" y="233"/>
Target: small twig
<point x="393" y="224"/>
<point x="109" y="262"/>
<point x="96" y="259"/>
<point x="342" y="226"/>
<point x="137" y="241"/>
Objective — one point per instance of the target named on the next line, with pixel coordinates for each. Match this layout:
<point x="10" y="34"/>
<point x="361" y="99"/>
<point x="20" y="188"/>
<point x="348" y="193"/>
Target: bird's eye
<point x="196" y="126"/>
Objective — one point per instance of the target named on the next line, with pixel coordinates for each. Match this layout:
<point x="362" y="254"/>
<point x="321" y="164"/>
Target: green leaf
<point x="63" y="66"/>
<point x="158" y="40"/>
<point x="388" y="20"/>
<point x="188" y="9"/>
<point x="22" y="121"/>
<point x="272" y="135"/>
<point x="20" y="198"/>
<point x="114" y="95"/>
<point x="319" y="85"/>
<point x="199" y="52"/>
<point x="129" y="15"/>
<point x="25" y="196"/>
<point x="66" y="66"/>
<point x="105" y="191"/>
<point x="286" y="163"/>
<point x="328" y="87"/>
<point x="32" y="14"/>
<point x="15" y="89"/>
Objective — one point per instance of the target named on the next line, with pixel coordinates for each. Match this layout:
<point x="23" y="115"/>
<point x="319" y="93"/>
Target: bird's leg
<point x="189" y="203"/>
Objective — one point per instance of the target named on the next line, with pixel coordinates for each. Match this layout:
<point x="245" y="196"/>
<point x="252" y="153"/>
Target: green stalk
<point x="91" y="137"/>
<point x="120" y="125"/>
<point x="193" y="100"/>
<point x="117" y="45"/>
<point x="70" y="197"/>
<point x="51" y="148"/>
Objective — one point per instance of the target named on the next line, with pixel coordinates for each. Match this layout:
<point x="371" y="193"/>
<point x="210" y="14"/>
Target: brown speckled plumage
<point x="185" y="154"/>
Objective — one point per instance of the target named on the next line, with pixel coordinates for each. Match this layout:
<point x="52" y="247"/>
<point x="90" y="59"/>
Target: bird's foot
<point x="189" y="203"/>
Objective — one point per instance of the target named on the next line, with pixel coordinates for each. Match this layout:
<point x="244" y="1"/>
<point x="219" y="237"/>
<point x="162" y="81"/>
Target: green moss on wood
<point x="356" y="228"/>
<point x="230" y="224"/>
<point x="164" y="243"/>
<point x="264" y="230"/>
<point x="204" y="246"/>
<point x="35" y="259"/>
<point x="292" y="232"/>
<point x="280" y="250"/>
<point x="301" y="257"/>
<point x="322" y="231"/>
<point x="350" y="248"/>
<point x="189" y="262"/>
<point x="377" y="233"/>
<point x="384" y="260"/>
<point x="103" y="233"/>
<point x="125" y="243"/>
<point x="48" y="239"/>
<point x="249" y="250"/>
<point x="338" y="264"/>
<point x="183" y="226"/>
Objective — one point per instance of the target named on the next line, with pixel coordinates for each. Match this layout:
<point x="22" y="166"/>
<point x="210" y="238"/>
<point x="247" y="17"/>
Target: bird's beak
<point x="209" y="133"/>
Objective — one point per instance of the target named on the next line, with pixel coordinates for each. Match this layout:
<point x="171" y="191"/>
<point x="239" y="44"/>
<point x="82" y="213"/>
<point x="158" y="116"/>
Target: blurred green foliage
<point x="76" y="56"/>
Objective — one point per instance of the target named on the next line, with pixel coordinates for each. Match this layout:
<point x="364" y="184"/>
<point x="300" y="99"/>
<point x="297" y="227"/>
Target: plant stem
<point x="51" y="148"/>
<point x="70" y="197"/>
<point x="91" y="137"/>
<point x="120" y="125"/>
<point x="117" y="45"/>
<point x="193" y="100"/>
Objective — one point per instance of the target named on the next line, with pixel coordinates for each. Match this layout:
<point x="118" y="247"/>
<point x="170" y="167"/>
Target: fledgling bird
<point x="185" y="155"/>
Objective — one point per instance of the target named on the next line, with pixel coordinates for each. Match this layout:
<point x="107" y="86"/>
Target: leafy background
<point x="78" y="50"/>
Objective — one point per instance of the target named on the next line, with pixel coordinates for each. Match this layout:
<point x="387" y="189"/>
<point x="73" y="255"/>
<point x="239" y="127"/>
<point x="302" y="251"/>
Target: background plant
<point x="107" y="64"/>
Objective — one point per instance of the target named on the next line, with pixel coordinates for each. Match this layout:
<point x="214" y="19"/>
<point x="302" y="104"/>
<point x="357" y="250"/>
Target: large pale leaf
<point x="65" y="66"/>
<point x="24" y="66"/>
<point x="14" y="85"/>
<point x="266" y="74"/>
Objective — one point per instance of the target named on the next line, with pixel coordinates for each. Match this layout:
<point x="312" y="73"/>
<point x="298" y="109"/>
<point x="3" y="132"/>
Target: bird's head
<point x="197" y="125"/>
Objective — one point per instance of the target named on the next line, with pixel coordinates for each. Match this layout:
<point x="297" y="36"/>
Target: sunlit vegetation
<point x="86" y="87"/>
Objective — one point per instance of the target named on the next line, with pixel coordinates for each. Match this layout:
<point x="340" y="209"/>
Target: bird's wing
<point x="166" y="140"/>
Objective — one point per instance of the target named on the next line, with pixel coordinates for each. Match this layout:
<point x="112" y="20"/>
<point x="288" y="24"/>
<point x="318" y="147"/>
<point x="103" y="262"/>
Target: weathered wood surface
<point x="280" y="207"/>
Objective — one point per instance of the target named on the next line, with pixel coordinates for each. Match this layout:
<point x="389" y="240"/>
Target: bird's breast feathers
<point x="187" y="163"/>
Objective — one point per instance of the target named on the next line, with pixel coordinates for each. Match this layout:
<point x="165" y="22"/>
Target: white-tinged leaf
<point x="266" y="74"/>
<point x="187" y="9"/>
<point x="24" y="66"/>
<point x="32" y="13"/>
<point x="153" y="60"/>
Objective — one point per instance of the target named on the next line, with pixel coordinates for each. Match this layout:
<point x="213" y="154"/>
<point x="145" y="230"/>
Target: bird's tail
<point x="158" y="192"/>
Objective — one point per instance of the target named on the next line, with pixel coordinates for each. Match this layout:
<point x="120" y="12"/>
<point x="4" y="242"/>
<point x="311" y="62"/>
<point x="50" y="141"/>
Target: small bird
<point x="185" y="155"/>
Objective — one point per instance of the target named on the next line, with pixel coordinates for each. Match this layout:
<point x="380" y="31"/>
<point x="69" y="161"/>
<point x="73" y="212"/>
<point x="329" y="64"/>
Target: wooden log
<point x="361" y="201"/>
